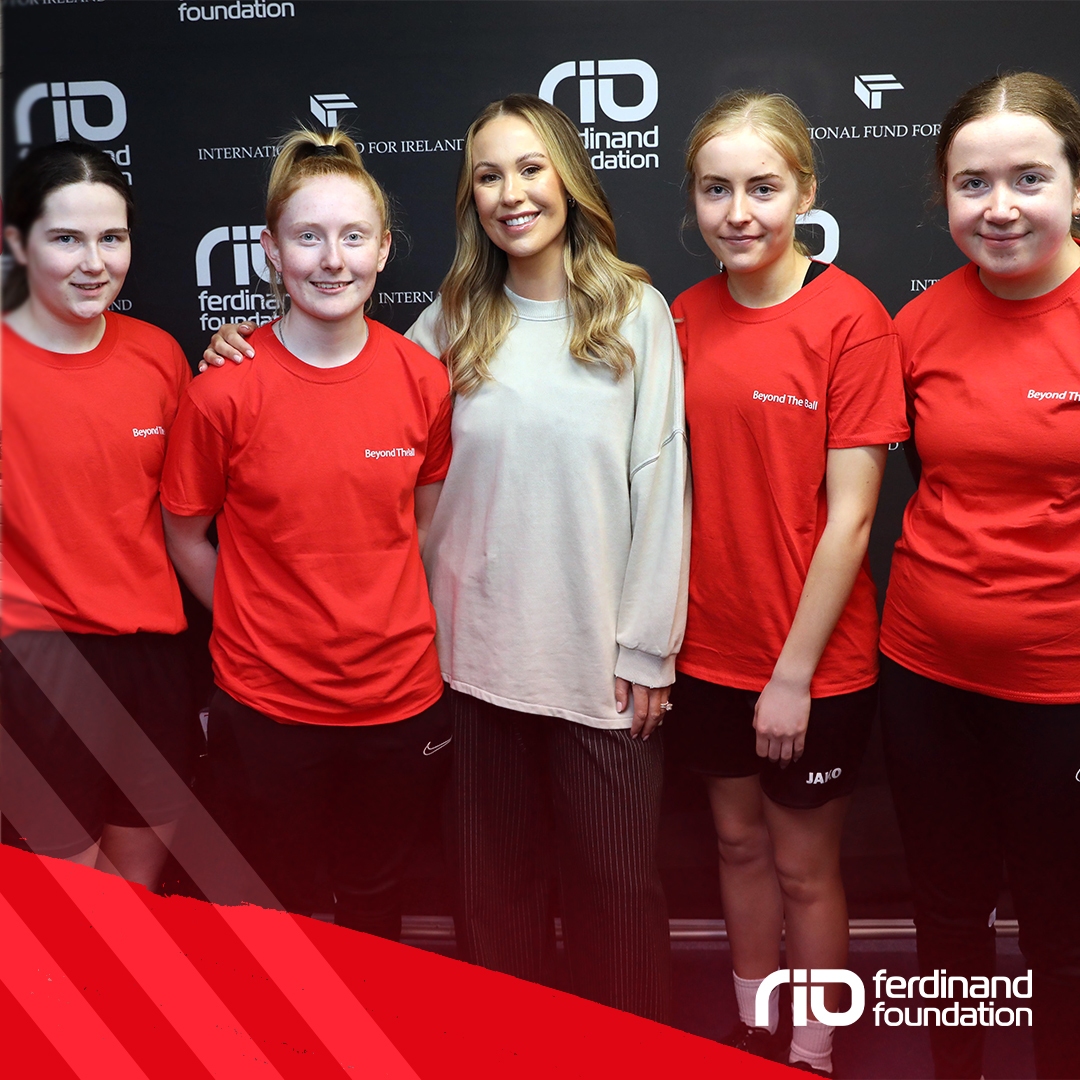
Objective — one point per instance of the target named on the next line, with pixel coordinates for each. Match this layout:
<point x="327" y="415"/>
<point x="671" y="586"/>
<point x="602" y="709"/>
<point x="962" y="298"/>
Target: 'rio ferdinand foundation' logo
<point x="234" y="294"/>
<point x="621" y="148"/>
<point x="592" y="91"/>
<point x="69" y="102"/>
<point x="800" y="985"/>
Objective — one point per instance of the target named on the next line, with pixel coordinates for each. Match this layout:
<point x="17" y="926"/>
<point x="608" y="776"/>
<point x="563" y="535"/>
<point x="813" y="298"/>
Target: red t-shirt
<point x="84" y="443"/>
<point x="321" y="609"/>
<point x="984" y="592"/>
<point x="768" y="392"/>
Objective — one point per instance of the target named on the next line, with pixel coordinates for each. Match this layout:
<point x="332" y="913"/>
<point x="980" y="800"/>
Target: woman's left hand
<point x="649" y="702"/>
<point x="781" y="717"/>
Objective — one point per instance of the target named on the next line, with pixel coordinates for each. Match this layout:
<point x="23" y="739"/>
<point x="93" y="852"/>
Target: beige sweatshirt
<point x="559" y="553"/>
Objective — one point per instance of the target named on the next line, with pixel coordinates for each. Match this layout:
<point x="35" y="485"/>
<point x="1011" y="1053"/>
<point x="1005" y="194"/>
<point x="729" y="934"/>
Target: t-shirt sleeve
<point x="903" y="329"/>
<point x="652" y="611"/>
<point x="866" y="395"/>
<point x="437" y="459"/>
<point x="196" y="464"/>
<point x="182" y="369"/>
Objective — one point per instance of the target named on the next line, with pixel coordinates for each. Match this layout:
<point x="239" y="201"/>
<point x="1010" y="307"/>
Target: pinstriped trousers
<point x="526" y="784"/>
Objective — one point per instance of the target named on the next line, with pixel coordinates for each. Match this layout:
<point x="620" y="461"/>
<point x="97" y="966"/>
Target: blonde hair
<point x="601" y="289"/>
<point x="774" y="117"/>
<point x="1019" y="92"/>
<point x="301" y="156"/>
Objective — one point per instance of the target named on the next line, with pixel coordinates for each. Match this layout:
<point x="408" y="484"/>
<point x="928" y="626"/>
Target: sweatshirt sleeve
<point x="652" y="612"/>
<point x="426" y="331"/>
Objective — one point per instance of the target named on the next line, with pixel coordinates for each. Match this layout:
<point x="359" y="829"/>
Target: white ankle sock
<point x="813" y="1044"/>
<point x="746" y="995"/>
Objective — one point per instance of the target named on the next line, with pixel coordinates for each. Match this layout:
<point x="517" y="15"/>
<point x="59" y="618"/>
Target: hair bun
<point x="317" y="150"/>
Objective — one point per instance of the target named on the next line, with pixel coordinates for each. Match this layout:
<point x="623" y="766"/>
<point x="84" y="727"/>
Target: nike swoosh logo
<point x="429" y="749"/>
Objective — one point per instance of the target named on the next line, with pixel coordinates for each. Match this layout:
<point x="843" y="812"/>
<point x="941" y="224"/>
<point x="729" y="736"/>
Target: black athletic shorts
<point x="296" y="798"/>
<point x="710" y="731"/>
<point x="142" y="726"/>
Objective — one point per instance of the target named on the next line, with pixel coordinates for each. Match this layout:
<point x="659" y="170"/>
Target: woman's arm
<point x="228" y="344"/>
<point x="425" y="499"/>
<point x="194" y="557"/>
<point x="852" y="481"/>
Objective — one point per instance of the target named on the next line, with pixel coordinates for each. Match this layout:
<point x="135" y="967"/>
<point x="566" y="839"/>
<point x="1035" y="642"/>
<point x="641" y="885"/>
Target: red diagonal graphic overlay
<point x="306" y="980"/>
<point x="25" y="1049"/>
<point x="95" y="973"/>
<point x="224" y="955"/>
<point x="41" y="987"/>
<point x="258" y="1002"/>
<point x="186" y="1000"/>
<point x="449" y="1019"/>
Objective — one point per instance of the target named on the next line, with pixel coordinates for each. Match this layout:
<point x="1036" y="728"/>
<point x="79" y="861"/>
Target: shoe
<point x="805" y="1066"/>
<point x="753" y="1040"/>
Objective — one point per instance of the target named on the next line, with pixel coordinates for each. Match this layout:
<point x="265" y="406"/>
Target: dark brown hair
<point x="1020" y="92"/>
<point x="36" y="177"/>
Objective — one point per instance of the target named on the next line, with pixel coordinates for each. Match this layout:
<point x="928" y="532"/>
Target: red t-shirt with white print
<point x="769" y="391"/>
<point x="984" y="592"/>
<point x="321" y="609"/>
<point x="84" y="443"/>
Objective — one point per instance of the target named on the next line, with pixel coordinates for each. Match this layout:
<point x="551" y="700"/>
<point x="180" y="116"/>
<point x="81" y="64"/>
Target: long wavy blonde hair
<point x="601" y="289"/>
<point x="303" y="154"/>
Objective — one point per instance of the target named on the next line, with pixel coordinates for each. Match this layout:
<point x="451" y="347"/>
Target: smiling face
<point x="520" y="198"/>
<point x="746" y="199"/>
<point x="328" y="245"/>
<point x="76" y="253"/>
<point x="1011" y="197"/>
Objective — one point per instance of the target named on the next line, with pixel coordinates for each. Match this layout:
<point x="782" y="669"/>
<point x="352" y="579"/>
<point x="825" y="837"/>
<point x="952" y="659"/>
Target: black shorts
<point x="711" y="731"/>
<point x="296" y="797"/>
<point x="87" y="787"/>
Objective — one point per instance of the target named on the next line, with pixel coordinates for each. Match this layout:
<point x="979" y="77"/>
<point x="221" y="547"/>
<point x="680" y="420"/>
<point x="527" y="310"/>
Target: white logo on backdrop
<point x="213" y="12"/>
<point x="325" y="107"/>
<point x="248" y="254"/>
<point x="69" y="110"/>
<point x="868" y="88"/>
<point x="219" y="304"/>
<point x="830" y="226"/>
<point x="817" y="996"/>
<point x="593" y="91"/>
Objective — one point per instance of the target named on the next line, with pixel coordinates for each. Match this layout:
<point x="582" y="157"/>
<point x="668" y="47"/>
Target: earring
<point x="571" y="201"/>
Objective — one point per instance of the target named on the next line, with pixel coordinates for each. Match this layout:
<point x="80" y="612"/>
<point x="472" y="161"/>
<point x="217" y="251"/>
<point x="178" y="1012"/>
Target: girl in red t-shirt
<point x="980" y="679"/>
<point x="321" y="461"/>
<point x="97" y="699"/>
<point x="793" y="392"/>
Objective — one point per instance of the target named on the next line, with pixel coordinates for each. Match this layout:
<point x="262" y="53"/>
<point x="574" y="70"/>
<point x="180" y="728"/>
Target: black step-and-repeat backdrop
<point x="190" y="97"/>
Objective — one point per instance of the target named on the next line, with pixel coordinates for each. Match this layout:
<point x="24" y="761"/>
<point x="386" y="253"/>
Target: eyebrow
<point x="524" y="157"/>
<point x="61" y="231"/>
<point x="320" y="225"/>
<point x="752" y="180"/>
<point x="1025" y="166"/>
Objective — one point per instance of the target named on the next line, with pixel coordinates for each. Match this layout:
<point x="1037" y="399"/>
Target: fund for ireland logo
<point x="869" y="88"/>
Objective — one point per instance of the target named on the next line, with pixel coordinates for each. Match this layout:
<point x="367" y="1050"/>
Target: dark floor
<point x="705" y="1005"/>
